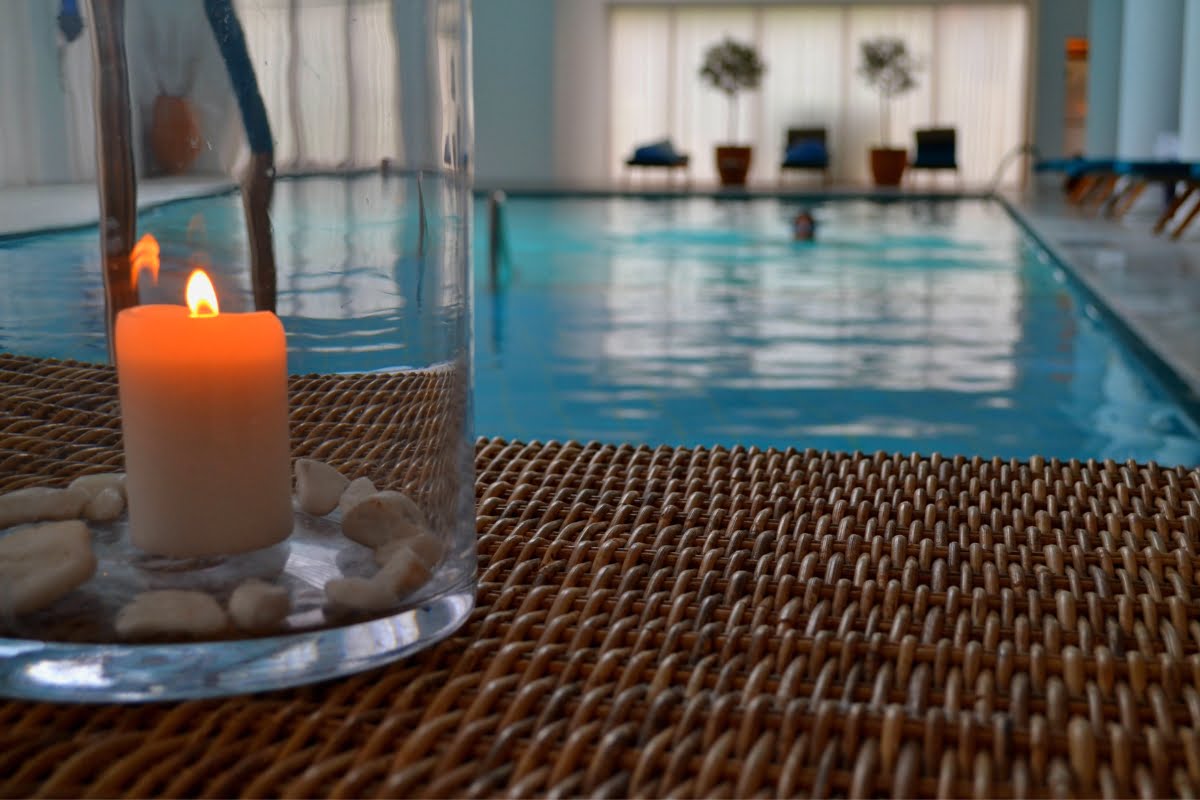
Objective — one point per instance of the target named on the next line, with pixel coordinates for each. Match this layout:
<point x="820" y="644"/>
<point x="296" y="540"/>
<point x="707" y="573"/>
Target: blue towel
<point x="1089" y="166"/>
<point x="807" y="153"/>
<point x="1167" y="169"/>
<point x="1056" y="164"/>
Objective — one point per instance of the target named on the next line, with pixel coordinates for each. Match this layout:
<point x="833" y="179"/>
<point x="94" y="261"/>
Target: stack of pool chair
<point x="1083" y="178"/>
<point x="1117" y="183"/>
<point x="806" y="150"/>
<point x="1132" y="178"/>
<point x="660" y="155"/>
<point x="1184" y="189"/>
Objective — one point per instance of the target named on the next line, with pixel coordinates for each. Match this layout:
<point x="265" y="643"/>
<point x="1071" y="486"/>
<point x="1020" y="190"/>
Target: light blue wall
<point x="1104" y="76"/>
<point x="514" y="109"/>
<point x="1055" y="21"/>
<point x="1189" y="89"/>
<point x="1151" y="55"/>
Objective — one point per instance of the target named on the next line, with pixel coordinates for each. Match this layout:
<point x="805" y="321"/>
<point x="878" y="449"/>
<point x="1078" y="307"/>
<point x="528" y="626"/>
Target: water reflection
<point x="908" y="326"/>
<point x="355" y="282"/>
<point x="905" y="327"/>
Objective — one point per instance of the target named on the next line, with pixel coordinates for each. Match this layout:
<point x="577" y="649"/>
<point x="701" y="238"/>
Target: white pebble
<point x="359" y="594"/>
<point x="412" y="510"/>
<point x="380" y="518"/>
<point x="404" y="571"/>
<point x="40" y="504"/>
<point x="94" y="484"/>
<point x="40" y="564"/>
<point x="424" y="545"/>
<point x="258" y="606"/>
<point x="319" y="486"/>
<point x="104" y="506"/>
<point x="170" y="612"/>
<point x="355" y="492"/>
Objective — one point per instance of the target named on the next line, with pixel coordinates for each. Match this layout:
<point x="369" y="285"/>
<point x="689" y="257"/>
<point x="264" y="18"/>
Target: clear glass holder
<point x="70" y="651"/>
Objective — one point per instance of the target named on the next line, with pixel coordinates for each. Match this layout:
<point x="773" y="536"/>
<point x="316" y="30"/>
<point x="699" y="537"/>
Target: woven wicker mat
<point x="677" y="622"/>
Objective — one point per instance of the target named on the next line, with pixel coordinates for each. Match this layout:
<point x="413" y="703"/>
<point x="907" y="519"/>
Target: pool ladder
<point x="496" y="203"/>
<point x="1011" y="156"/>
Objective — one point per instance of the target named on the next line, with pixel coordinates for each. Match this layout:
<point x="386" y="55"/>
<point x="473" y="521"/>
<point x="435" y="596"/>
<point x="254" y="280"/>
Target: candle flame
<point x="144" y="256"/>
<point x="201" y="296"/>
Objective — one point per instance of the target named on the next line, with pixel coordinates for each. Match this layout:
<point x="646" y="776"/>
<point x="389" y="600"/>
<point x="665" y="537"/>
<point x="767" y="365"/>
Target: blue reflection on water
<point x="909" y="326"/>
<point x="906" y="326"/>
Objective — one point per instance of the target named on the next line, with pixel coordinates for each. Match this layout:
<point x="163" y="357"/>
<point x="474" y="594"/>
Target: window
<point x="974" y="78"/>
<point x="327" y="74"/>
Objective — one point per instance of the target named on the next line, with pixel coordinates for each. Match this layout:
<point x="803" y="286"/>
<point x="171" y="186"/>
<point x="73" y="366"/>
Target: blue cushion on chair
<point x="806" y="153"/>
<point x="656" y="153"/>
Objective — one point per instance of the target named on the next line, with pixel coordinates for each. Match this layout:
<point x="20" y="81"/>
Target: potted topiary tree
<point x="888" y="67"/>
<point x="732" y="67"/>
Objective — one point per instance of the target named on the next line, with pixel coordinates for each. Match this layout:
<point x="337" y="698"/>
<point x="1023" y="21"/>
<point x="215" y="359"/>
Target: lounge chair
<point x="1134" y="176"/>
<point x="1083" y="176"/>
<point x="1117" y="184"/>
<point x="1191" y="186"/>
<point x="660" y="155"/>
<point x="806" y="149"/>
<point x="936" y="150"/>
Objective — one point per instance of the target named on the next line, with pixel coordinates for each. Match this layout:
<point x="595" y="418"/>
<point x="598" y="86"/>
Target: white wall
<point x="542" y="94"/>
<point x="514" y="56"/>
<point x="581" y="91"/>
<point x="541" y="84"/>
<point x="46" y="88"/>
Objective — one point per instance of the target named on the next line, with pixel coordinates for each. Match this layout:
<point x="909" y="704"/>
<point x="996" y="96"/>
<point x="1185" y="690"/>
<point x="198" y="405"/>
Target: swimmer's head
<point x="804" y="227"/>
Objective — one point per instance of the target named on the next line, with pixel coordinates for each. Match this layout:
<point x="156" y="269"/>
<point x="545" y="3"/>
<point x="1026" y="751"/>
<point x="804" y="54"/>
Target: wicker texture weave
<point x="677" y="622"/>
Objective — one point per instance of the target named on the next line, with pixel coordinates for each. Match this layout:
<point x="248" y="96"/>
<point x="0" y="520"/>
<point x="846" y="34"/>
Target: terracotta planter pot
<point x="174" y="134"/>
<point x="733" y="163"/>
<point x="887" y="165"/>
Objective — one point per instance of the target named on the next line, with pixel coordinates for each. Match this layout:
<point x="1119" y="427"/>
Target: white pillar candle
<point x="204" y="416"/>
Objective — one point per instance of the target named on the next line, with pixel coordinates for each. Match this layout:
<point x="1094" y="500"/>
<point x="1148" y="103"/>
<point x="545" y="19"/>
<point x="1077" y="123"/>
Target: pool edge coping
<point x="1181" y="379"/>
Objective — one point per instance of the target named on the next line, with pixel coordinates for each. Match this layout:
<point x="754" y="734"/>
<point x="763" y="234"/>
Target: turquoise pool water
<point x="908" y="326"/>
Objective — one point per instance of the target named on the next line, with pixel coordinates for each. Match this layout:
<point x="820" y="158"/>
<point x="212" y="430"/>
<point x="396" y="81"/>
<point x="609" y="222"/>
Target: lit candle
<point x="204" y="413"/>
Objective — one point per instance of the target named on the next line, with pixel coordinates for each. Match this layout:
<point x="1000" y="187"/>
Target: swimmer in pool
<point x="804" y="227"/>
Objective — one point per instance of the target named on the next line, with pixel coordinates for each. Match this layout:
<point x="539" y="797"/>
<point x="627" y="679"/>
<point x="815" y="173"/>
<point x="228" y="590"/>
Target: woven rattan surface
<point x="672" y="622"/>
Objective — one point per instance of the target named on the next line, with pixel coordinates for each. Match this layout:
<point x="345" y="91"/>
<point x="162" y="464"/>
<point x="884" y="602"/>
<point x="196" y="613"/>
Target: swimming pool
<point x="914" y="325"/>
<point x="908" y="326"/>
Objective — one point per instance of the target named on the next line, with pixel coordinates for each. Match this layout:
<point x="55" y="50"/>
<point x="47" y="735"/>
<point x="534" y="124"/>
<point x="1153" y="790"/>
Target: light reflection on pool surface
<point x="906" y="326"/>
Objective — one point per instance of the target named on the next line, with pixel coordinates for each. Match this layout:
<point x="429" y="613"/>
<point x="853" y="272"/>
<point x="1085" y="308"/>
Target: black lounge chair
<point x="936" y="150"/>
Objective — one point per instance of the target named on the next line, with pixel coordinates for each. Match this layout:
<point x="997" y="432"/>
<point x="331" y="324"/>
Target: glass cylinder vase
<point x="312" y="159"/>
